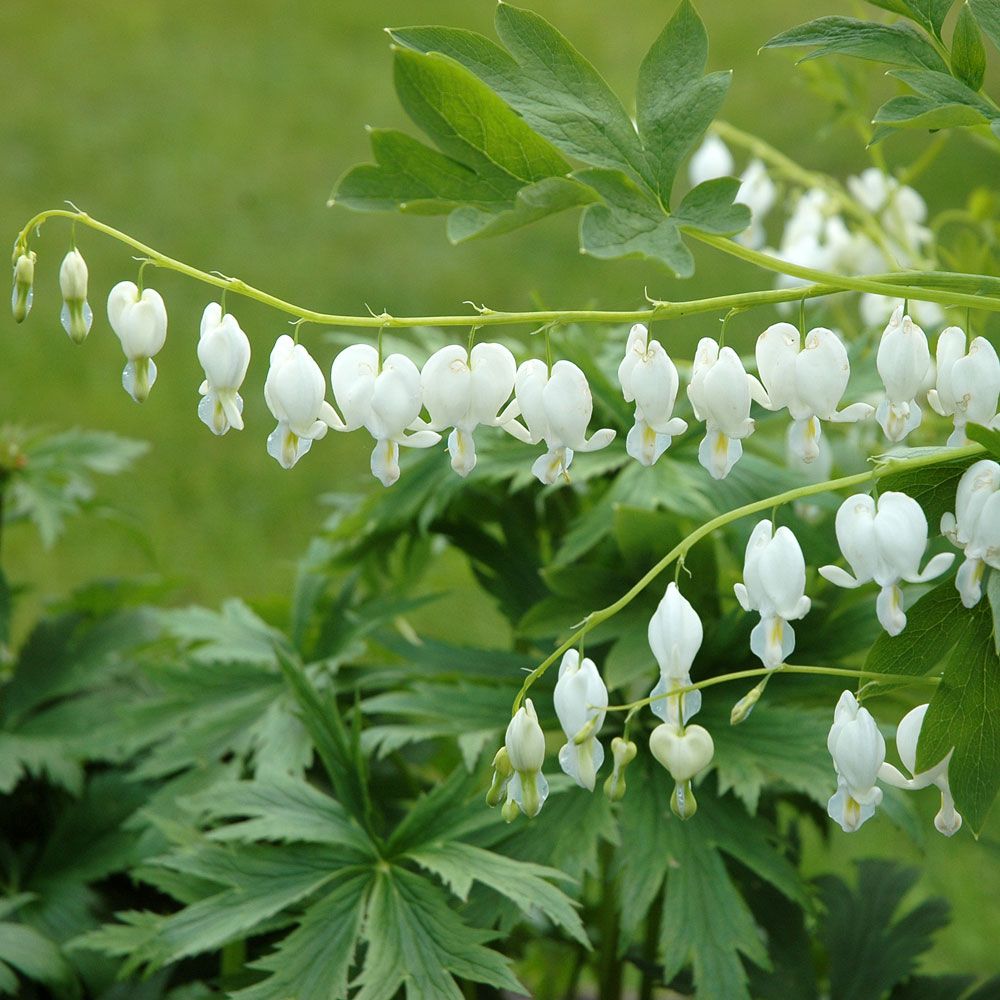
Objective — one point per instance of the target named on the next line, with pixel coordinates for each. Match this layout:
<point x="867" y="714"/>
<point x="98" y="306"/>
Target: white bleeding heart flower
<point x="884" y="542"/>
<point x="581" y="700"/>
<point x="758" y="192"/>
<point x="463" y="389"/>
<point x="720" y="395"/>
<point x="710" y="160"/>
<point x="901" y="209"/>
<point x="975" y="527"/>
<point x="858" y="752"/>
<point x="675" y="634"/>
<point x="649" y="378"/>
<point x="294" y="391"/>
<point x="808" y="380"/>
<point x="948" y="821"/>
<point x="556" y="409"/>
<point x="684" y="751"/>
<point x="968" y="384"/>
<point x="23" y="292"/>
<point x="525" y="743"/>
<point x="385" y="402"/>
<point x="76" y="316"/>
<point x="224" y="353"/>
<point x="774" y="582"/>
<point x="903" y="360"/>
<point x="140" y="321"/>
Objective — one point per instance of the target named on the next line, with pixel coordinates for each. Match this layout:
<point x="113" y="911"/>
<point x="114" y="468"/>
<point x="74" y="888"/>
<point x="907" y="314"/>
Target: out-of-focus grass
<point x="215" y="132"/>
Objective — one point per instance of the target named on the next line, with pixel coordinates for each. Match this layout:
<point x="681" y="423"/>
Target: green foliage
<point x="498" y="115"/>
<point x="968" y="54"/>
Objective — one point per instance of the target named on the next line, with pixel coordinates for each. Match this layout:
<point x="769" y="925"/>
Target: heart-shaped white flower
<point x="683" y="750"/>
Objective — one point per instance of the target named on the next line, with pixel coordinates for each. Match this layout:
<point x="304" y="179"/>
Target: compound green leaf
<point x="628" y="223"/>
<point x="711" y="208"/>
<point x="675" y="103"/>
<point x="896" y="44"/>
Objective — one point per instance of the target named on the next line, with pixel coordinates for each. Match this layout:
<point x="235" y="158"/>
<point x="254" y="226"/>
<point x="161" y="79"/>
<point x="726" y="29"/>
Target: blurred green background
<point x="215" y="133"/>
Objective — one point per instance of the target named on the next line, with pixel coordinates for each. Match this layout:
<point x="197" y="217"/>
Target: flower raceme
<point x="385" y="401"/>
<point x="975" y="527"/>
<point x="649" y="378"/>
<point x="463" y="389"/>
<point x="774" y="581"/>
<point x="556" y="408"/>
<point x="967" y="386"/>
<point x="76" y="316"/>
<point x="903" y="360"/>
<point x="294" y="391"/>
<point x="720" y="395"/>
<point x="809" y="380"/>
<point x="224" y="353"/>
<point x="580" y="701"/>
<point x="140" y="321"/>
<point x="858" y="752"/>
<point x="884" y="541"/>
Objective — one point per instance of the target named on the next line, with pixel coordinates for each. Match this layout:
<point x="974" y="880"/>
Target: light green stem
<point x="829" y="284"/>
<point x="786" y="668"/>
<point x="887" y="466"/>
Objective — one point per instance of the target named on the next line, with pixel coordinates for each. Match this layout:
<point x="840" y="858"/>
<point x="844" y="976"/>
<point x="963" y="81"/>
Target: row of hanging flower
<point x="463" y="389"/>
<point x="883" y="541"/>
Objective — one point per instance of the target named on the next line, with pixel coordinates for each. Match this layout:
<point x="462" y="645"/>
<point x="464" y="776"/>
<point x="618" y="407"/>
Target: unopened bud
<point x="623" y="752"/>
<point x="76" y="316"/>
<point x="24" y="280"/>
<point x="502" y="772"/>
<point x="683" y="803"/>
<point x="510" y="811"/>
<point x="742" y="709"/>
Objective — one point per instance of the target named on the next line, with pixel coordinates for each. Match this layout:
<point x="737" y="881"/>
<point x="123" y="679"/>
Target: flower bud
<point x="76" y="315"/>
<point x="502" y="772"/>
<point x="623" y="752"/>
<point x="24" y="279"/>
<point x="742" y="709"/>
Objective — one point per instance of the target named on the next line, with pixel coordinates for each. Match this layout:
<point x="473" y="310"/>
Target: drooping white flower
<point x="580" y="701"/>
<point x="758" y="192"/>
<point x="140" y="321"/>
<point x="968" y="384"/>
<point x="948" y="821"/>
<point x="975" y="527"/>
<point x="294" y="391"/>
<point x="684" y="751"/>
<point x="224" y="353"/>
<point x="884" y="542"/>
<point x="76" y="316"/>
<point x="720" y="395"/>
<point x="385" y="402"/>
<point x="463" y="389"/>
<point x="903" y="360"/>
<point x="23" y="292"/>
<point x="900" y="209"/>
<point x="525" y="743"/>
<point x="710" y="160"/>
<point x="675" y="634"/>
<point x="858" y="752"/>
<point x="774" y="582"/>
<point x="649" y="377"/>
<point x="556" y="409"/>
<point x="809" y="380"/>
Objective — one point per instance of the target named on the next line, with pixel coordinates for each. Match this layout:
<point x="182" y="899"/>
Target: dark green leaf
<point x="987" y="13"/>
<point x="314" y="961"/>
<point x="469" y="122"/>
<point x="415" y="939"/>
<point x="988" y="438"/>
<point x="630" y="224"/>
<point x="37" y="957"/>
<point x="675" y="103"/>
<point x="711" y="208"/>
<point x="968" y="55"/>
<point x="932" y="988"/>
<point x="869" y="950"/>
<point x="897" y="44"/>
<point x="993" y="596"/>
<point x="964" y="715"/>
